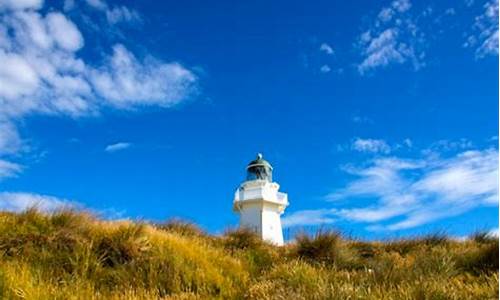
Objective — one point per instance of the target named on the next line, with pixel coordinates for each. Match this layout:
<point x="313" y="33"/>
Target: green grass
<point x="74" y="255"/>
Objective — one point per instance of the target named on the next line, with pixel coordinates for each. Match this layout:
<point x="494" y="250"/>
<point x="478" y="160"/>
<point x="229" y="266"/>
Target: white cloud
<point x="20" y="201"/>
<point x="371" y="214"/>
<point x="444" y="188"/>
<point x="470" y="174"/>
<point x="116" y="14"/>
<point x="40" y="69"/>
<point x="20" y="4"/>
<point x="371" y="145"/>
<point x="378" y="146"/>
<point x="64" y="32"/>
<point x="9" y="169"/>
<point x="394" y="38"/>
<point x="10" y="142"/>
<point x="17" y="76"/>
<point x="46" y="76"/>
<point x="326" y="48"/>
<point x="386" y="14"/>
<point x="69" y="5"/>
<point x="408" y="143"/>
<point x="485" y="39"/>
<point x="117" y="147"/>
<point x="308" y="217"/>
<point x="382" y="178"/>
<point x="122" y="14"/>
<point x="43" y="73"/>
<point x="408" y="193"/>
<point x="446" y="146"/>
<point x="17" y="202"/>
<point x="125" y="82"/>
<point x="401" y="5"/>
<point x="325" y="69"/>
<point x="98" y="4"/>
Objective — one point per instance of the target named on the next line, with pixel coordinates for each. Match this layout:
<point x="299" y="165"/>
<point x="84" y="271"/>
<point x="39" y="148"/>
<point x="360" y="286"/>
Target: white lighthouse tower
<point x="259" y="202"/>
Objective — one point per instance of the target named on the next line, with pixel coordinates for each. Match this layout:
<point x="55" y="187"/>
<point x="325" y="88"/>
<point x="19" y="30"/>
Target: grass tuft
<point x="181" y="227"/>
<point x="322" y="248"/>
<point x="483" y="237"/>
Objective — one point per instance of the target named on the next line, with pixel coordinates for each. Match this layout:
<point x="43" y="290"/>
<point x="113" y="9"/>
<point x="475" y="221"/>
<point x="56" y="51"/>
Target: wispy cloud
<point x="407" y="193"/>
<point x="361" y="119"/>
<point x="20" y="201"/>
<point x="447" y="145"/>
<point x="114" y="14"/>
<point x="485" y="38"/>
<point x="325" y="69"/>
<point x="393" y="38"/>
<point x="17" y="202"/>
<point x="308" y="217"/>
<point x="326" y="48"/>
<point x="10" y="141"/>
<point x="9" y="169"/>
<point x="122" y="14"/>
<point x="117" y="147"/>
<point x="98" y="4"/>
<point x="21" y="4"/>
<point x="371" y="145"/>
<point x="377" y="146"/>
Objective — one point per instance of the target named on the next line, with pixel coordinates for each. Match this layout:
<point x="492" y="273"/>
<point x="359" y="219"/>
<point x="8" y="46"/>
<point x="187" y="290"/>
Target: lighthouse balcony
<point x="282" y="198"/>
<point x="266" y="193"/>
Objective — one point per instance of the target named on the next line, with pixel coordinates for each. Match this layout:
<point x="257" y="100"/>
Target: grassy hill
<point x="74" y="255"/>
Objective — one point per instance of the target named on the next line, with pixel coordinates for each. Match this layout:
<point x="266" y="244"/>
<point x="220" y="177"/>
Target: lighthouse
<point x="259" y="202"/>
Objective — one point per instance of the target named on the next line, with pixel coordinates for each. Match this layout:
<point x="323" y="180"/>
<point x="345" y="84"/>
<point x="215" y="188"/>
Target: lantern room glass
<point x="259" y="172"/>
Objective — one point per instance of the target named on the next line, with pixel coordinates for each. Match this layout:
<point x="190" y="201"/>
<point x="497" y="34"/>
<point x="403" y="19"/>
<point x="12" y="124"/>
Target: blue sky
<point x="379" y="117"/>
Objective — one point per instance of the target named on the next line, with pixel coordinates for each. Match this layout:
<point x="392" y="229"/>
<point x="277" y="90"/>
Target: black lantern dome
<point x="260" y="169"/>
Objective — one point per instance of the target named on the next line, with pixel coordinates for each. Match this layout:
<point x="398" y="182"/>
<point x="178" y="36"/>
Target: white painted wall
<point x="271" y="224"/>
<point x="260" y="206"/>
<point x="251" y="217"/>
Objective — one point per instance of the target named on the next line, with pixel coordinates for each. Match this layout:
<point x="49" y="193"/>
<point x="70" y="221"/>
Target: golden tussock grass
<point x="74" y="255"/>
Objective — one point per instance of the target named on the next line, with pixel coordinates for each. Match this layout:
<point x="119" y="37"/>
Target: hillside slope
<point x="74" y="255"/>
